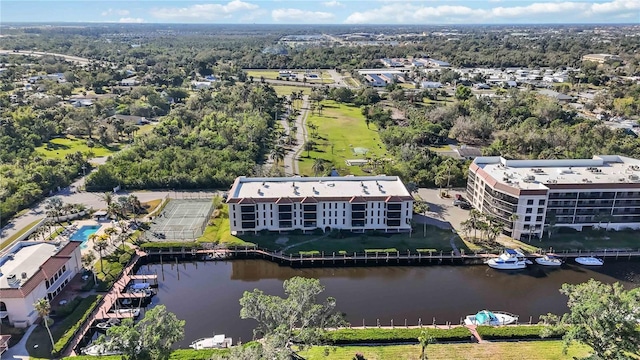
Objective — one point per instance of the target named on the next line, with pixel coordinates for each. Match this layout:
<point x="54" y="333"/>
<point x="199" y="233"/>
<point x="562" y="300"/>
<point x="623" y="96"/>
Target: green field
<point x="534" y="350"/>
<point x="589" y="240"/>
<point x="273" y="75"/>
<point x="341" y="128"/>
<point x="283" y="90"/>
<point x="58" y="148"/>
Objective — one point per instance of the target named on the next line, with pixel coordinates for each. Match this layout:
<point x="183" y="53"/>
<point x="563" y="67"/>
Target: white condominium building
<point x="603" y="192"/>
<point x="353" y="203"/>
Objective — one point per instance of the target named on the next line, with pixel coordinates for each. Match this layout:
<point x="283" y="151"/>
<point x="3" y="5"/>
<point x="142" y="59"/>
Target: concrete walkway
<point x="290" y="159"/>
<point x="19" y="350"/>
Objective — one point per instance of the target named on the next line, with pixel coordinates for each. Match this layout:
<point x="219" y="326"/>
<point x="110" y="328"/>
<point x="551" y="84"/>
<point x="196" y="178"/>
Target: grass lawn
<point x="58" y="148"/>
<point x="335" y="145"/>
<point x="589" y="240"/>
<point x="282" y="90"/>
<point x="13" y="237"/>
<point x="273" y="75"/>
<point x="534" y="350"/>
<point x="295" y="242"/>
<point x="219" y="231"/>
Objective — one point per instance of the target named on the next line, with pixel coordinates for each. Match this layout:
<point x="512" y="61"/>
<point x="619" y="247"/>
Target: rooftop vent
<point x="529" y="178"/>
<point x="633" y="177"/>
<point x="553" y="181"/>
<point x="24" y="275"/>
<point x="13" y="280"/>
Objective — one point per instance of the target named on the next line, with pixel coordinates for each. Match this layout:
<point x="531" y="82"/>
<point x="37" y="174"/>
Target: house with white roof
<point x="351" y="203"/>
<point x="30" y="271"/>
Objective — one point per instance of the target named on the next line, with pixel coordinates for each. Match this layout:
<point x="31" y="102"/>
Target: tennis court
<point x="181" y="220"/>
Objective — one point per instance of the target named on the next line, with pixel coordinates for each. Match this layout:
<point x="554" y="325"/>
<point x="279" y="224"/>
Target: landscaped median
<point x="62" y="331"/>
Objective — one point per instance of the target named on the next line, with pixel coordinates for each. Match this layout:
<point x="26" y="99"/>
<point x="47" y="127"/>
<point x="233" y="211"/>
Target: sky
<point x="406" y="12"/>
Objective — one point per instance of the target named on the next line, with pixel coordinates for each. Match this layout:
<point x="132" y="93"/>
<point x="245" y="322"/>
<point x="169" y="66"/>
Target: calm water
<point x="206" y="294"/>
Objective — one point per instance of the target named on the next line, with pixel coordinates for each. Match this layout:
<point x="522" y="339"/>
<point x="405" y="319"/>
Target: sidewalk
<point x="19" y="350"/>
<point x="290" y="158"/>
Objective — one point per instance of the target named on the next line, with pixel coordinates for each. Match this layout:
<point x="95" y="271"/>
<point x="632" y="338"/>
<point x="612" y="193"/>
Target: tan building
<point x="603" y="192"/>
<point x="601" y="58"/>
<point x="353" y="203"/>
<point x="30" y="271"/>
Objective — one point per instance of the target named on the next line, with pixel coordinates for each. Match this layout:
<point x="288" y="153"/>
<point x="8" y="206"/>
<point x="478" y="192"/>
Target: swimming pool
<point x="83" y="233"/>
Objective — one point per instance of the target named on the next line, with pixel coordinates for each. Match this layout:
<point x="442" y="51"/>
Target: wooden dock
<point x="370" y="258"/>
<point x="102" y="311"/>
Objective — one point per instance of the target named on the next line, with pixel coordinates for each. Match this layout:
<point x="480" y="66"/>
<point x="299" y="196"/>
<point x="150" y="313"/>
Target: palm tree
<point x="88" y="259"/>
<point x="514" y="219"/>
<point x="43" y="308"/>
<point x="99" y="245"/>
<point x="108" y="198"/>
<point x="318" y="166"/>
<point x="474" y="218"/>
<point x="308" y="146"/>
<point x="440" y="180"/>
<point x="110" y="232"/>
<point x="277" y="155"/>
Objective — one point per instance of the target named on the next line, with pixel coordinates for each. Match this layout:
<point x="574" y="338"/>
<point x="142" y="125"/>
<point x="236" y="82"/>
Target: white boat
<point x="214" y="342"/>
<point x="549" y="260"/>
<point x="490" y="318"/>
<point x="135" y="312"/>
<point x="510" y="259"/>
<point x="589" y="261"/>
<point x="105" y="325"/>
<point x="100" y="350"/>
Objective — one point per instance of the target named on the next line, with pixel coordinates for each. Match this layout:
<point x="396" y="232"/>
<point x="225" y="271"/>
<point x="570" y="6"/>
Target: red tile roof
<point x="46" y="271"/>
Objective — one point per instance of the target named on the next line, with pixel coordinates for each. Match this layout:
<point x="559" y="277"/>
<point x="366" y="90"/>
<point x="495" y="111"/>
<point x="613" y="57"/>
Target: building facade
<point x="352" y="203"/>
<point x="601" y="58"/>
<point x="30" y="271"/>
<point x="530" y="196"/>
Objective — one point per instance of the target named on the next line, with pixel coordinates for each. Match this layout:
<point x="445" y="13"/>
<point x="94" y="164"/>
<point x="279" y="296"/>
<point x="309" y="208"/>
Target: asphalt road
<point x="77" y="59"/>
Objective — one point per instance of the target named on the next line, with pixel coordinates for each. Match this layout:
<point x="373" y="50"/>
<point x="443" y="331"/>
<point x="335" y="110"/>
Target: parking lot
<point x="441" y="210"/>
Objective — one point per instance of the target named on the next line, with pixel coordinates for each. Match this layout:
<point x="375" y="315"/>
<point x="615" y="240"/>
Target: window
<point x="529" y="210"/>
<point x="527" y="218"/>
<point x="234" y="223"/>
<point x="540" y="210"/>
<point x="542" y="202"/>
<point x="538" y="218"/>
<point x="530" y="202"/>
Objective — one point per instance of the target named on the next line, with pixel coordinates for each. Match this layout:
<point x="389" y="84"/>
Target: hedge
<point x="350" y="336"/>
<point x="68" y="327"/>
<point x="68" y="308"/>
<point x="309" y="253"/>
<point x="512" y="332"/>
<point x="179" y="354"/>
<point x="168" y="245"/>
<point x="384" y="251"/>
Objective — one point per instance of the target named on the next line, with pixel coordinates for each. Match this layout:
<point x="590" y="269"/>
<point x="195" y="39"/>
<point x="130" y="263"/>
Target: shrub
<point x="384" y="251"/>
<point x="349" y="336"/>
<point x="67" y="328"/>
<point x="512" y="332"/>
<point x="309" y="253"/>
<point x="68" y="308"/>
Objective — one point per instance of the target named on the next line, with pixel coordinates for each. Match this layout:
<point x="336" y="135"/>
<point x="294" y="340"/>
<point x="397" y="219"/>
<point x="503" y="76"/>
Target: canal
<point x="206" y="294"/>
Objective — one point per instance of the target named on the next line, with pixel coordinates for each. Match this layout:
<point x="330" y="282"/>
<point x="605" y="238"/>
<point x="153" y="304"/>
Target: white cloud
<point x="301" y="16"/>
<point x="120" y="12"/>
<point x="333" y="3"/>
<point x="414" y="13"/>
<point x="131" y="20"/>
<point x="204" y="11"/>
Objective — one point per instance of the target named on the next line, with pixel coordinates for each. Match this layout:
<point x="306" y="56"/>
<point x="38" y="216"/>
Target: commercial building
<point x="601" y="58"/>
<point x="30" y="271"/>
<point x="352" y="203"/>
<point x="603" y="192"/>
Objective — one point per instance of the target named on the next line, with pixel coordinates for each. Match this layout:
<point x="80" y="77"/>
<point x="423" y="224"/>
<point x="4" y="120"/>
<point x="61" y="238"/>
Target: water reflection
<point x="206" y="294"/>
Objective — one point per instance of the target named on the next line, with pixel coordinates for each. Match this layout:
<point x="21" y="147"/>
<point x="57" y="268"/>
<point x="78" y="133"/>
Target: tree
<point x="463" y="92"/>
<point x="99" y="245"/>
<point x="152" y="337"/>
<point x="318" y="166"/>
<point x="424" y="339"/>
<point x="308" y="146"/>
<point x="107" y="198"/>
<point x="159" y="330"/>
<point x="43" y="307"/>
<point x="277" y="155"/>
<point x="602" y="316"/>
<point x="296" y="318"/>
<point x="87" y="260"/>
